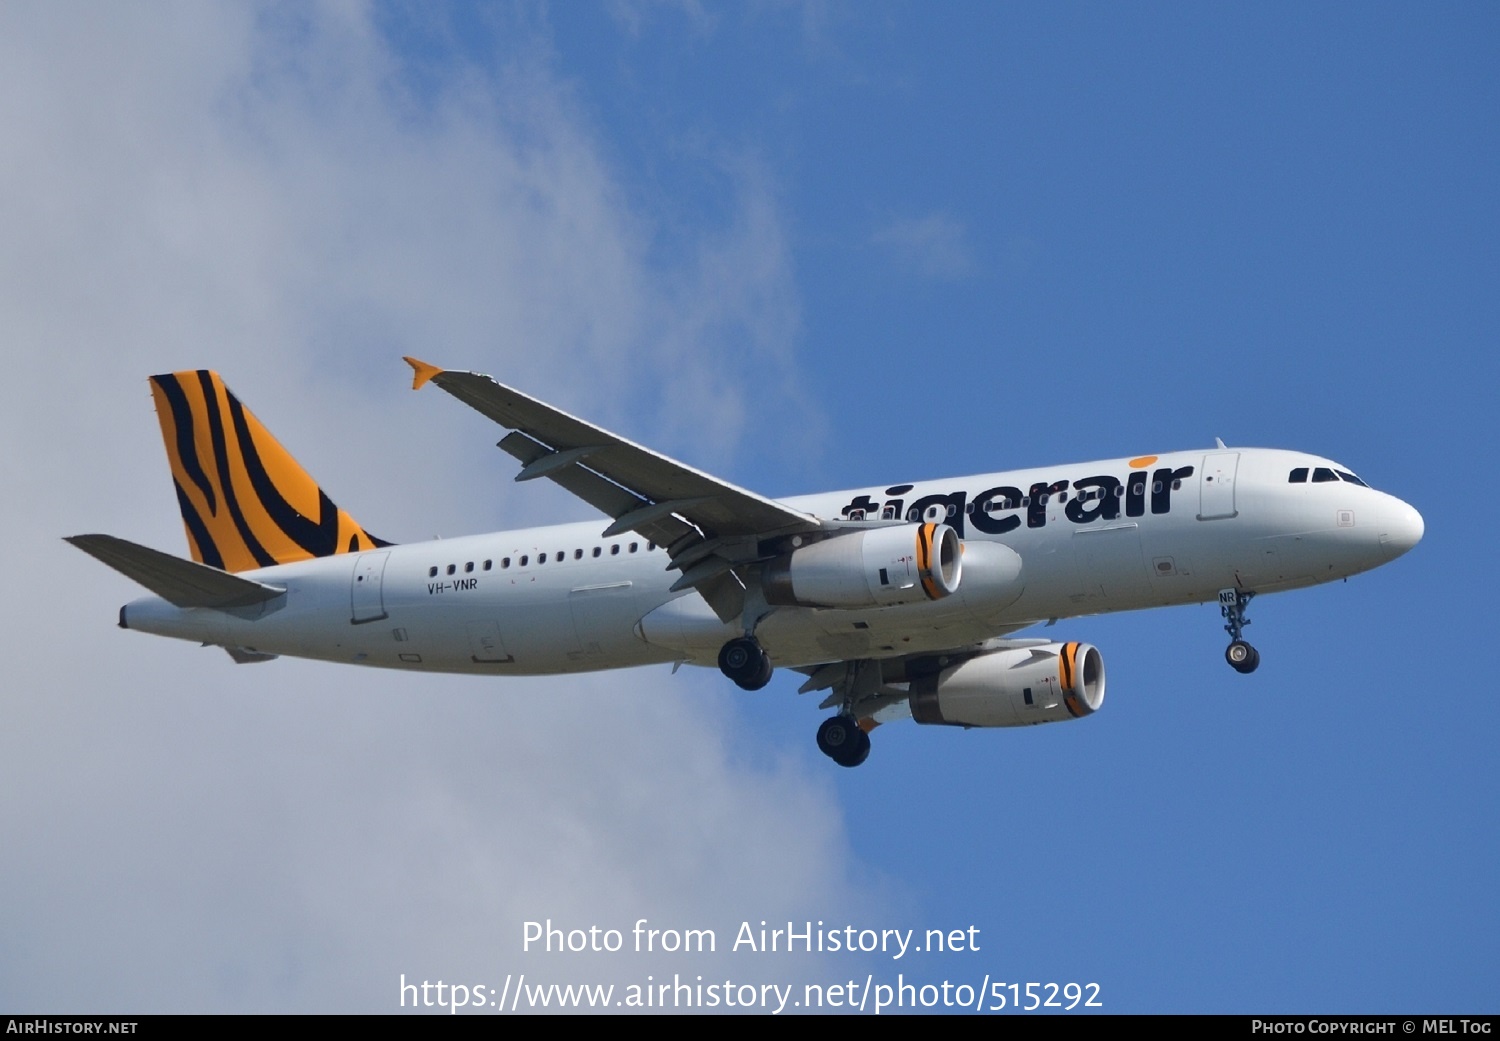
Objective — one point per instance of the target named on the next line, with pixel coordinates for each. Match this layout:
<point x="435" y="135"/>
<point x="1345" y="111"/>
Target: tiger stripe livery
<point x="245" y="501"/>
<point x="925" y="562"/>
<point x="1067" y="674"/>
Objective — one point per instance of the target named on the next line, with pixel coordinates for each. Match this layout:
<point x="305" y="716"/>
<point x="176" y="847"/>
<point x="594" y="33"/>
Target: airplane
<point x="900" y="601"/>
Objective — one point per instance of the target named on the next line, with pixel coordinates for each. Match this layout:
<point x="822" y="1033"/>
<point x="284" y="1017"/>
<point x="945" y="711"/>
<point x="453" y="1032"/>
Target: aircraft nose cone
<point x="1401" y="528"/>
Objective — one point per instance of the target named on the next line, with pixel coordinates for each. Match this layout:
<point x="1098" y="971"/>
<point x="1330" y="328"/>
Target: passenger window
<point x="578" y="554"/>
<point x="633" y="547"/>
<point x="889" y="513"/>
<point x="432" y="571"/>
<point x="1298" y="476"/>
<point x="524" y="559"/>
<point x="469" y="568"/>
<point x="614" y="550"/>
<point x="504" y="563"/>
<point x="452" y="568"/>
<point x="541" y="558"/>
<point x="597" y="551"/>
<point x="487" y="564"/>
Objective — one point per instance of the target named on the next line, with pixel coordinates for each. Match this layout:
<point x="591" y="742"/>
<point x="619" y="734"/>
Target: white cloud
<point x="935" y="246"/>
<point x="259" y="190"/>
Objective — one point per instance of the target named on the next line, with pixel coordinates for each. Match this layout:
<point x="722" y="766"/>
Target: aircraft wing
<point x="707" y="526"/>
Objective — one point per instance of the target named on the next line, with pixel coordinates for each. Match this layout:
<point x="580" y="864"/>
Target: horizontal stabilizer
<point x="182" y="583"/>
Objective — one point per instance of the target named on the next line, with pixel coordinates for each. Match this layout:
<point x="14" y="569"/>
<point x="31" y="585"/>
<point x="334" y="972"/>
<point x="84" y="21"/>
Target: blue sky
<point x="804" y="247"/>
<point x="1024" y="234"/>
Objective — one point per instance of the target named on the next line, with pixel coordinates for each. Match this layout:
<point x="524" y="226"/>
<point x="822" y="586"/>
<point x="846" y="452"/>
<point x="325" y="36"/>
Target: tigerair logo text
<point x="1002" y="508"/>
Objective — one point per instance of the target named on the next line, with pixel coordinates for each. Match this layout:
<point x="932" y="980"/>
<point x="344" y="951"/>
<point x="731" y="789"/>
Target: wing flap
<point x="183" y="583"/>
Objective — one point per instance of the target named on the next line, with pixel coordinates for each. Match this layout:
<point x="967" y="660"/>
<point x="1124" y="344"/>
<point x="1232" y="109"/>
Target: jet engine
<point x="880" y="567"/>
<point x="1014" y="687"/>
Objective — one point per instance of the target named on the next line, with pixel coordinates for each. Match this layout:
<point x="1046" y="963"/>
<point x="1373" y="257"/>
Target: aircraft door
<point x="1216" y="490"/>
<point x="366" y="599"/>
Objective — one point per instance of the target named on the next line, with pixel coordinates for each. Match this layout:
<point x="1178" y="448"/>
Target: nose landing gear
<point x="1240" y="655"/>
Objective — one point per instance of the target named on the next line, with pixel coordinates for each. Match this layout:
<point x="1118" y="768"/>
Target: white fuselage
<point x="1118" y="535"/>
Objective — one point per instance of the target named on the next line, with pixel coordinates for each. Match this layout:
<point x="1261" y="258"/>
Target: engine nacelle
<point x="1013" y="688"/>
<point x="881" y="567"/>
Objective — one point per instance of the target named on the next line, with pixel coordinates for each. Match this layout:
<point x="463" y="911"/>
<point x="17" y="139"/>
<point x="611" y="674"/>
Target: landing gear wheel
<point x="1242" y="657"/>
<point x="746" y="663"/>
<point x="841" y="739"/>
<point x="764" y="676"/>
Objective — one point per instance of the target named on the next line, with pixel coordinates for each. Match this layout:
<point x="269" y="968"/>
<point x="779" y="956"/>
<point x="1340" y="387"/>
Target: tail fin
<point x="245" y="501"/>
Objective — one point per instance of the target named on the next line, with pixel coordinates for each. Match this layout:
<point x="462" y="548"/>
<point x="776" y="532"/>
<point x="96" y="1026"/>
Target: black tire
<point x="763" y="676"/>
<point x="861" y="750"/>
<point x="744" y="662"/>
<point x="841" y="739"/>
<point x="1242" y="657"/>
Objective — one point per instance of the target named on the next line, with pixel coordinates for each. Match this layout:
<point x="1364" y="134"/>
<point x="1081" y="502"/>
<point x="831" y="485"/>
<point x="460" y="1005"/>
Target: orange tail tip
<point x="246" y="503"/>
<point x="421" y="371"/>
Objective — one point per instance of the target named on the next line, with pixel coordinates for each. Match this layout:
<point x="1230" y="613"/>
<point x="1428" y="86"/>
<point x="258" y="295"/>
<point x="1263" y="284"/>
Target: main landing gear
<point x="745" y="662"/>
<point x="1240" y="655"/>
<point x="841" y="739"/>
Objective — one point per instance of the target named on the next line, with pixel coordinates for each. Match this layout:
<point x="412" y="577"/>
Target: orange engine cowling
<point x="1011" y="688"/>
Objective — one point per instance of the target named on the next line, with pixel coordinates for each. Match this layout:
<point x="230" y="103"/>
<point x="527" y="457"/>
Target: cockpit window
<point x="1299" y="476"/>
<point x="1322" y="474"/>
<point x="1346" y="475"/>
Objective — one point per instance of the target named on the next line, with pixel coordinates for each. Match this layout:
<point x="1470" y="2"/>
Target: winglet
<point x="421" y="371"/>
